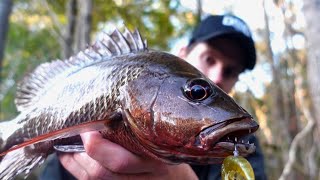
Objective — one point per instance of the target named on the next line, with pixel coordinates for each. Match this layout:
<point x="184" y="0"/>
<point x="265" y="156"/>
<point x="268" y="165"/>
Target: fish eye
<point x="197" y="89"/>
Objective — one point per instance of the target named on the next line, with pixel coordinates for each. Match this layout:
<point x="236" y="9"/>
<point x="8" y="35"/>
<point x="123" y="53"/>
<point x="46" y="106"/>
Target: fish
<point x="151" y="102"/>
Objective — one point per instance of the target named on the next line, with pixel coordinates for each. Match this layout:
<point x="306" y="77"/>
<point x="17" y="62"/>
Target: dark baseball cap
<point x="214" y="26"/>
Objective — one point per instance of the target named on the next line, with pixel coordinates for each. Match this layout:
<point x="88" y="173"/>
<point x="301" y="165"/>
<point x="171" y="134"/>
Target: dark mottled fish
<point x="152" y="103"/>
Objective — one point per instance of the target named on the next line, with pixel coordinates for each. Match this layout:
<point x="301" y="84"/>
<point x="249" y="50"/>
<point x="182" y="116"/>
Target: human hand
<point x="104" y="159"/>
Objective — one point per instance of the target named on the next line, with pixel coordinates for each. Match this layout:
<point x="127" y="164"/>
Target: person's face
<point x="221" y="62"/>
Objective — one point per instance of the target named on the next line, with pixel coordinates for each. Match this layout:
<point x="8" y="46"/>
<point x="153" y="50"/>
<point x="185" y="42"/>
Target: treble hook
<point x="235" y="152"/>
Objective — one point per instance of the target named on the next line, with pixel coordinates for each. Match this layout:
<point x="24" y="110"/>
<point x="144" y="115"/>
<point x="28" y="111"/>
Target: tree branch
<point x="53" y="16"/>
<point x="69" y="33"/>
<point x="83" y="24"/>
<point x="56" y="32"/>
<point x="5" y="10"/>
<point x="308" y="129"/>
<point x="294" y="145"/>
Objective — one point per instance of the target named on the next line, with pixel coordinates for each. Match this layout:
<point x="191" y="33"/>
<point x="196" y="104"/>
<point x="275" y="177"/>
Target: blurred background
<point x="282" y="92"/>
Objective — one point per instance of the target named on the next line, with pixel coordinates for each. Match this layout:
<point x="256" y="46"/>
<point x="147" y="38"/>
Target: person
<point x="221" y="47"/>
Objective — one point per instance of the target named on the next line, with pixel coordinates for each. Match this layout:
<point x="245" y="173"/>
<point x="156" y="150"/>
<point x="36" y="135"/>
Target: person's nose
<point x="216" y="75"/>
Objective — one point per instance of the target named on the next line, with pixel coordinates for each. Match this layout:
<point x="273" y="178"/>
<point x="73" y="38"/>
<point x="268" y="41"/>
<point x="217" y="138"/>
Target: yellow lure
<point x="236" y="168"/>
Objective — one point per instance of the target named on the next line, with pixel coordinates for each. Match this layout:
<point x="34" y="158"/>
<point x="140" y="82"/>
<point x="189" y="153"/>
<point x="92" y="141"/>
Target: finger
<point x="93" y="168"/>
<point x="116" y="158"/>
<point x="97" y="171"/>
<point x="70" y="164"/>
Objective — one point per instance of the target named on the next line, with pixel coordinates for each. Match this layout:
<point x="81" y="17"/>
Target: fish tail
<point x="19" y="161"/>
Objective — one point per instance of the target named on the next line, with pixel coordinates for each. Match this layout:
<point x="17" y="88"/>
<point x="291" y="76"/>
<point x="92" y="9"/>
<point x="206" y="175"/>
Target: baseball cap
<point x="227" y="25"/>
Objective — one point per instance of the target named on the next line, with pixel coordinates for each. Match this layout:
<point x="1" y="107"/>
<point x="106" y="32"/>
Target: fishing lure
<point x="236" y="167"/>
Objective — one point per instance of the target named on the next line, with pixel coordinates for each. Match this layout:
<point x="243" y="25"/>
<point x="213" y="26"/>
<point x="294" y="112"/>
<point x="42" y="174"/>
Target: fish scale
<point x="136" y="97"/>
<point x="81" y="115"/>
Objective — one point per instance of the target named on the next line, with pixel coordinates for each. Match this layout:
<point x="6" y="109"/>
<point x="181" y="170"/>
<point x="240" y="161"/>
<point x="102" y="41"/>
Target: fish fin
<point x="75" y="148"/>
<point x="142" y="44"/>
<point x="63" y="133"/>
<point x="7" y="128"/>
<point x="3" y="127"/>
<point x="17" y="162"/>
<point x="31" y="88"/>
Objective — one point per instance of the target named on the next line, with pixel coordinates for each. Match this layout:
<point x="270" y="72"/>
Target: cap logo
<point x="236" y="24"/>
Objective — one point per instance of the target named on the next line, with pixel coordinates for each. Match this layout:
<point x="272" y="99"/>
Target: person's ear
<point x="183" y="52"/>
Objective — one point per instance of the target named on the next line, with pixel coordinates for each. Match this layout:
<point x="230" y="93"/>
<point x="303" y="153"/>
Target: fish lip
<point x="215" y="136"/>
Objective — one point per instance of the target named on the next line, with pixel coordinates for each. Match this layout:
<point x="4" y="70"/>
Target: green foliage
<point x="25" y="50"/>
<point x="152" y="17"/>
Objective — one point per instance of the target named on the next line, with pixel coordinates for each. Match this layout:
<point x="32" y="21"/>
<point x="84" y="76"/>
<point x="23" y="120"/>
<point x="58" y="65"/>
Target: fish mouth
<point x="223" y="136"/>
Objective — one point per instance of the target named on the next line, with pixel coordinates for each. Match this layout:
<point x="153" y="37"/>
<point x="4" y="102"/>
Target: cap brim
<point x="246" y="43"/>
